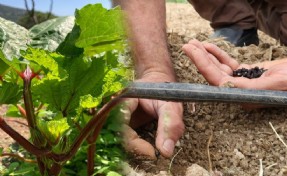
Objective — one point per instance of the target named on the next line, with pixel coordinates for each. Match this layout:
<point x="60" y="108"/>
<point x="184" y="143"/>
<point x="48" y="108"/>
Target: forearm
<point x="147" y="34"/>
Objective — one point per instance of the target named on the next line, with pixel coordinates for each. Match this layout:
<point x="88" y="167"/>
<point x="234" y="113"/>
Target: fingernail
<point x="168" y="146"/>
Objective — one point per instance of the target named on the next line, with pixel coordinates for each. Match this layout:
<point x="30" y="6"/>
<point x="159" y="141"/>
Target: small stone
<point x="238" y="154"/>
<point x="199" y="126"/>
<point x="163" y="173"/>
<point x="187" y="136"/>
<point x="196" y="170"/>
<point x="208" y="117"/>
<point x="177" y="144"/>
<point x="244" y="164"/>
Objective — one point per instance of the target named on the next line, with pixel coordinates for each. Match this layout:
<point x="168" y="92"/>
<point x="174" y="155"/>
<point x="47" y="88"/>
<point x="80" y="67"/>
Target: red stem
<point x="55" y="169"/>
<point x="29" y="103"/>
<point x="95" y="122"/>
<point x="90" y="158"/>
<point x="22" y="111"/>
<point x="21" y="140"/>
<point x="14" y="155"/>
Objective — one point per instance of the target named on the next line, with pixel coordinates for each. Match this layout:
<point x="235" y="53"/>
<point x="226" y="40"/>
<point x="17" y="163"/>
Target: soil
<point x="240" y="137"/>
<point x="19" y="124"/>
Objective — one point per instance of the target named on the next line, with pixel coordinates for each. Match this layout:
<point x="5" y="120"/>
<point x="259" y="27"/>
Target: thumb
<point x="170" y="126"/>
<point x="135" y="145"/>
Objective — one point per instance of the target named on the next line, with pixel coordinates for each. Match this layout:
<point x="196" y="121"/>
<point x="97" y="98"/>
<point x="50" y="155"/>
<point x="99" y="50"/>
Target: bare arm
<point x="147" y="27"/>
<point x="147" y="34"/>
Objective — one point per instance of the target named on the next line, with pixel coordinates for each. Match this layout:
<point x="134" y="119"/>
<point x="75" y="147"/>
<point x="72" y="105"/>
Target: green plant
<point x="61" y="76"/>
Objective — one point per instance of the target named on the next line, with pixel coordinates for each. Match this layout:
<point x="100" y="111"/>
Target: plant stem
<point x="29" y="103"/>
<point x="55" y="169"/>
<point x="22" y="111"/>
<point x="21" y="140"/>
<point x="95" y="123"/>
<point x="90" y="157"/>
<point x="41" y="165"/>
<point x="14" y="155"/>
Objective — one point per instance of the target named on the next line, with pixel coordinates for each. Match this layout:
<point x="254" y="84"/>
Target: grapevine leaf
<point x="10" y="93"/>
<point x="53" y="129"/>
<point x="104" y="32"/>
<point x="49" y="34"/>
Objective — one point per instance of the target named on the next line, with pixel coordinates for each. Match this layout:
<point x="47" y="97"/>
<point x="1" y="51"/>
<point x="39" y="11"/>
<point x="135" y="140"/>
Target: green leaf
<point x="1" y="151"/>
<point x="51" y="91"/>
<point x="112" y="173"/>
<point x="46" y="60"/>
<point x="104" y="32"/>
<point x="13" y="111"/>
<point x="53" y="129"/>
<point x="88" y="101"/>
<point x="9" y="93"/>
<point x="13" y="63"/>
<point x="3" y="66"/>
<point x="85" y="77"/>
<point x="68" y="47"/>
<point x="49" y="34"/>
<point x="13" y="38"/>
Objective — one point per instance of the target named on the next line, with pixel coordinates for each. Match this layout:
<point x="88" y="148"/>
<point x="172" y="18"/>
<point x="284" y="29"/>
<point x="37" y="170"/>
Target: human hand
<point x="217" y="68"/>
<point x="141" y="111"/>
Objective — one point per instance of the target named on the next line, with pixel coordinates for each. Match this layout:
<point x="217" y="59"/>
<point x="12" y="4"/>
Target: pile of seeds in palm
<point x="255" y="72"/>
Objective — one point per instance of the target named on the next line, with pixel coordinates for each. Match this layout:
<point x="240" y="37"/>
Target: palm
<point x="217" y="67"/>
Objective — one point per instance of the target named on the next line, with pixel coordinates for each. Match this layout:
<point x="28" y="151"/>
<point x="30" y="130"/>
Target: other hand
<point x="217" y="68"/>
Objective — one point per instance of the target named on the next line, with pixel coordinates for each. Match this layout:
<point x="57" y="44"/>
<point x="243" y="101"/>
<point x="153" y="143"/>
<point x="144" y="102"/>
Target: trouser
<point x="270" y="16"/>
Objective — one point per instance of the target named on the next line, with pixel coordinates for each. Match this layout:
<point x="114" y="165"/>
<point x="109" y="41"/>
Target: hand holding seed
<point x="219" y="68"/>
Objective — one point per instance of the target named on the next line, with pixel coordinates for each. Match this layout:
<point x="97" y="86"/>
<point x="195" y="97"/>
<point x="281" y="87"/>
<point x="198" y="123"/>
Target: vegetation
<point x="61" y="79"/>
<point x="11" y="13"/>
<point x="27" y="22"/>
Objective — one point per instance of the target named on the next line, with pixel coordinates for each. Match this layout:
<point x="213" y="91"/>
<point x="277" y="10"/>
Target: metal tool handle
<point x="185" y="92"/>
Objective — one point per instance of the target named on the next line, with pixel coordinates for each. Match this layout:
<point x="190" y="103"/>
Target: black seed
<point x="255" y="72"/>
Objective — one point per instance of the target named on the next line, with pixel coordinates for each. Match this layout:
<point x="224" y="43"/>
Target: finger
<point x="129" y="106"/>
<point x="210" y="56"/>
<point x="170" y="126"/>
<point x="135" y="145"/>
<point x="221" y="66"/>
<point x="269" y="64"/>
<point x="205" y="66"/>
<point x="261" y="83"/>
<point x="221" y="55"/>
